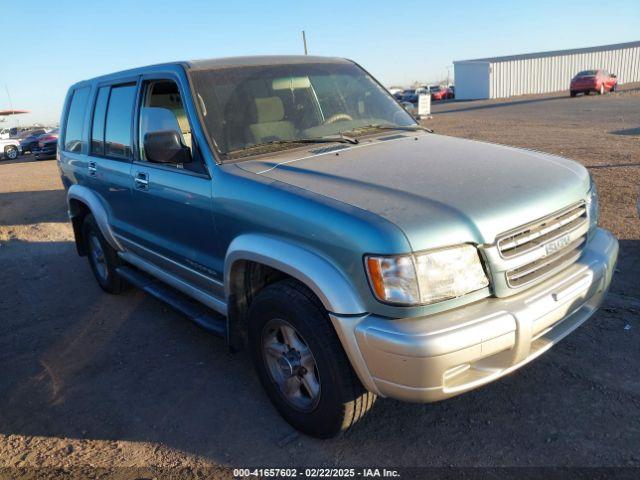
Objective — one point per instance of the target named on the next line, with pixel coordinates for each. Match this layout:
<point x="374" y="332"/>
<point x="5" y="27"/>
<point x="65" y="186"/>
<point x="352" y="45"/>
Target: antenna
<point x="6" y="87"/>
<point x="304" y="41"/>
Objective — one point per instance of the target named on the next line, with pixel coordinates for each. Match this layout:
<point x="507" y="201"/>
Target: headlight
<point x="593" y="206"/>
<point x="427" y="277"/>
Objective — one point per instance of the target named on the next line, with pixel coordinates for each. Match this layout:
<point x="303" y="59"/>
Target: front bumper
<point x="436" y="357"/>
<point x="46" y="151"/>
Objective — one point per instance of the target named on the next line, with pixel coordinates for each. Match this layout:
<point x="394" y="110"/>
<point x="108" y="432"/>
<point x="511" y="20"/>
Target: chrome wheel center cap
<point x="289" y="363"/>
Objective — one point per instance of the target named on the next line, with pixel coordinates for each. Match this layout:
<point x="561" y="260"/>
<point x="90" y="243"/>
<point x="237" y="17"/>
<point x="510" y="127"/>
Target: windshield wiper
<point x="326" y="139"/>
<point x="340" y="138"/>
<point x="390" y="126"/>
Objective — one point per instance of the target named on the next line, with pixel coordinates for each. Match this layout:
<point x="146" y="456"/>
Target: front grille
<point x="554" y="241"/>
<point x="541" y="268"/>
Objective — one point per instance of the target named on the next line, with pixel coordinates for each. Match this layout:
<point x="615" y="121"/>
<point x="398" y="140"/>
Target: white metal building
<point x="542" y="72"/>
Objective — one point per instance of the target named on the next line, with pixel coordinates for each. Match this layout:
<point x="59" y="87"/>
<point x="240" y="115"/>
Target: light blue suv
<point x="355" y="253"/>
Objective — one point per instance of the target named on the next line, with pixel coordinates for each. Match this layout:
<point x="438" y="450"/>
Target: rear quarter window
<point x="74" y="125"/>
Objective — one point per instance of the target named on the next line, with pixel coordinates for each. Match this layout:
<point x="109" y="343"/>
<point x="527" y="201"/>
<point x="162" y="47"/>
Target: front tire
<point x="11" y="152"/>
<point x="301" y="363"/>
<point x="103" y="259"/>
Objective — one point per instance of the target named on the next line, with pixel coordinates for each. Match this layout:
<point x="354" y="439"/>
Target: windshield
<point x="435" y="88"/>
<point x="256" y="105"/>
<point x="587" y="73"/>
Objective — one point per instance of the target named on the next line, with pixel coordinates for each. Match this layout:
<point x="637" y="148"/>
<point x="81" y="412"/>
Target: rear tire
<point x="11" y="152"/>
<point x="573" y="93"/>
<point x="103" y="259"/>
<point x="301" y="363"/>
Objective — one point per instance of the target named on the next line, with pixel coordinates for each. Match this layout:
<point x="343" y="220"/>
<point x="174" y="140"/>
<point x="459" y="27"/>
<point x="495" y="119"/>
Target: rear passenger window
<point x="97" y="129"/>
<point x="75" y="120"/>
<point x="117" y="136"/>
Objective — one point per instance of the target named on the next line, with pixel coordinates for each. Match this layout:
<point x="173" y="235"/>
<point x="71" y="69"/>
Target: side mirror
<point x="614" y="76"/>
<point x="161" y="137"/>
<point x="166" y="147"/>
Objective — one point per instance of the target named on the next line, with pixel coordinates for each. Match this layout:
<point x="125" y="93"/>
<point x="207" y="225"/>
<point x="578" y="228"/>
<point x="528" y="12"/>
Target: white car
<point x="10" y="148"/>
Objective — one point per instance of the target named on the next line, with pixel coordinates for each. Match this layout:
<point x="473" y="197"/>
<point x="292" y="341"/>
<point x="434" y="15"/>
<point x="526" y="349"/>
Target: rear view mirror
<point x="162" y="138"/>
<point x="290" y="83"/>
<point x="166" y="147"/>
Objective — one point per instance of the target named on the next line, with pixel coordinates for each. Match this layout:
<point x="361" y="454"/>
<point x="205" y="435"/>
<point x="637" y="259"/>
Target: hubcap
<point x="291" y="365"/>
<point x="97" y="256"/>
<point x="12" y="153"/>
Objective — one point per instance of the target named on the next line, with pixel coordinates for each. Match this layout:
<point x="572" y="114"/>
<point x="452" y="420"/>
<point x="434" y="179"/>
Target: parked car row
<point x="39" y="141"/>
<point x="598" y="81"/>
<point x="437" y="92"/>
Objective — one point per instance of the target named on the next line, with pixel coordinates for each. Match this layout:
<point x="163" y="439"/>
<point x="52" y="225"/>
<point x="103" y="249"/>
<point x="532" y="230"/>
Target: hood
<point x="439" y="190"/>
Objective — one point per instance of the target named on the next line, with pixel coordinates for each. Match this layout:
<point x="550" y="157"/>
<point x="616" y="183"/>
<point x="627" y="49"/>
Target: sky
<point x="53" y="44"/>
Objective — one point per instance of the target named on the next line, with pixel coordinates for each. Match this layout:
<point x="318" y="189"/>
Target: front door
<point x="171" y="203"/>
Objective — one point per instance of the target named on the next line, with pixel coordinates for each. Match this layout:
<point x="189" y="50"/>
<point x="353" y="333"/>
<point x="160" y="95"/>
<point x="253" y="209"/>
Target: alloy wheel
<point x="291" y="365"/>
<point x="97" y="257"/>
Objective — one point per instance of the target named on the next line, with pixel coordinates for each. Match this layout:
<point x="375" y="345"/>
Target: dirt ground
<point x="91" y="380"/>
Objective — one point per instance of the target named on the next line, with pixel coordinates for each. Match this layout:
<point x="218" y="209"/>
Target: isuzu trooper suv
<point x="292" y="206"/>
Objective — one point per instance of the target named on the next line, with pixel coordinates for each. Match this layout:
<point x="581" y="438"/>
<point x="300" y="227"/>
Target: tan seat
<point x="270" y="124"/>
<point x="183" y="121"/>
<point x="173" y="102"/>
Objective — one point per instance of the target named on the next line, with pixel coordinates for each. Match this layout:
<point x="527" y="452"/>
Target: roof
<point x="213" y="63"/>
<point x="554" y="53"/>
<point x="224" y="62"/>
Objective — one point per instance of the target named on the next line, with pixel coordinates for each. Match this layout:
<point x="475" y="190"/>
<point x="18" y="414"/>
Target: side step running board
<point x="196" y="312"/>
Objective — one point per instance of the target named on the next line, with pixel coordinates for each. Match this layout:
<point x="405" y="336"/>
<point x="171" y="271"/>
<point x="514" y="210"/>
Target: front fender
<point x="325" y="280"/>
<point x="95" y="205"/>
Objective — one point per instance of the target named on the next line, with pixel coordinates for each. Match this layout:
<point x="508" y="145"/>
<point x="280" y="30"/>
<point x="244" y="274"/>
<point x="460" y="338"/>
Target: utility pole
<point x="304" y="41"/>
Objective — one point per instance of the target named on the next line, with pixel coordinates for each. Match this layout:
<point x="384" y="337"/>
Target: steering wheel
<point x="338" y="117"/>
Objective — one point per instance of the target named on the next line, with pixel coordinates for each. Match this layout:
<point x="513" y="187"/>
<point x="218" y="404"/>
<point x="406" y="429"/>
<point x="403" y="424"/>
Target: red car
<point x="47" y="144"/>
<point x="587" y="81"/>
<point x="438" y="92"/>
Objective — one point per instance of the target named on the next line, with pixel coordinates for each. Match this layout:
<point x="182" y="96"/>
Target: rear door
<point x="171" y="204"/>
<point x="111" y="150"/>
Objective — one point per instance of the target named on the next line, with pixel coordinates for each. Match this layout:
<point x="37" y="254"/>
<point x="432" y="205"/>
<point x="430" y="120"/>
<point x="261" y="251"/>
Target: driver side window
<point x="166" y="95"/>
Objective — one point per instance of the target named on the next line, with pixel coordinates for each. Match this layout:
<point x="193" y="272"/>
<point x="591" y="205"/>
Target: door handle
<point x="142" y="180"/>
<point x="92" y="169"/>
